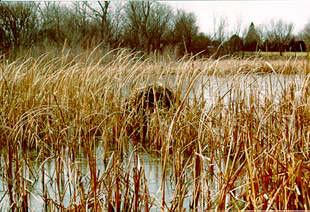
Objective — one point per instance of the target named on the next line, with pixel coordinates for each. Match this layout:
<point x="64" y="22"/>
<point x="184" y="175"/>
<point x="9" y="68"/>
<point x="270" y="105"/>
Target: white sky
<point x="246" y="11"/>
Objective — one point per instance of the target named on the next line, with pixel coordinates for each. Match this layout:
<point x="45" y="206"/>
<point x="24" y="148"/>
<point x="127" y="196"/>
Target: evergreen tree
<point x="252" y="39"/>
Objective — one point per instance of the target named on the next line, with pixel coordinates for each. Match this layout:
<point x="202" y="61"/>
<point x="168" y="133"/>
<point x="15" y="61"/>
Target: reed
<point x="74" y="127"/>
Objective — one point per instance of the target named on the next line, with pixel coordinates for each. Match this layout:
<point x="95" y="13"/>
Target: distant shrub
<point x="18" y="24"/>
<point x="200" y="44"/>
<point x="52" y="35"/>
<point x="297" y="46"/>
<point x="234" y="44"/>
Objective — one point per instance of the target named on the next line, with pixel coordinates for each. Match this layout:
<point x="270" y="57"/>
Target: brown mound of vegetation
<point x="142" y="105"/>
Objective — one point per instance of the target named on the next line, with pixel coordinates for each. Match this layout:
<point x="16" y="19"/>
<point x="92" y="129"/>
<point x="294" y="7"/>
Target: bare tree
<point x="102" y="17"/>
<point x="147" y="24"/>
<point x="220" y="30"/>
<point x="278" y="35"/>
<point x="18" y="24"/>
<point x="279" y="31"/>
<point x="160" y="16"/>
<point x="51" y="15"/>
<point x="136" y="31"/>
<point x="238" y="25"/>
<point x="306" y="34"/>
<point x="117" y="17"/>
<point x="184" y="30"/>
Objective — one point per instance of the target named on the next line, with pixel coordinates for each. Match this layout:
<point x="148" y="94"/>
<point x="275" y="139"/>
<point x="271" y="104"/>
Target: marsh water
<point x="261" y="86"/>
<point x="32" y="173"/>
<point x="211" y="89"/>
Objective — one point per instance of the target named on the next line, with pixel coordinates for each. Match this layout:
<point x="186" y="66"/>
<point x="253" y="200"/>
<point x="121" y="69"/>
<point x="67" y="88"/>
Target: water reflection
<point x="261" y="86"/>
<point x="33" y="173"/>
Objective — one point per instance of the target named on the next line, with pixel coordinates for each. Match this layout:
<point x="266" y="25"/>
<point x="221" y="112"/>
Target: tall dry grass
<point x="60" y="108"/>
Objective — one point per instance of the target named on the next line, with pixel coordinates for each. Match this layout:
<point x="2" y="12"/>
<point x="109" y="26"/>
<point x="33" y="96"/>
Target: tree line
<point x="146" y="26"/>
<point x="277" y="38"/>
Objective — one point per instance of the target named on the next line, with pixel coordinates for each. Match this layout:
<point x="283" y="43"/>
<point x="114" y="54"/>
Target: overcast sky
<point x="245" y="12"/>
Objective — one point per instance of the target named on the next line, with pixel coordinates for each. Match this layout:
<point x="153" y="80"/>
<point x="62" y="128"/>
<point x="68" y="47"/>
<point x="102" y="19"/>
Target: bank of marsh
<point x="231" y="139"/>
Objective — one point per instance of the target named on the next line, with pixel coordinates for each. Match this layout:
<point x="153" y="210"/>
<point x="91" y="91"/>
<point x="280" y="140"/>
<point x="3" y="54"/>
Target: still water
<point x="32" y="173"/>
<point x="270" y="86"/>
